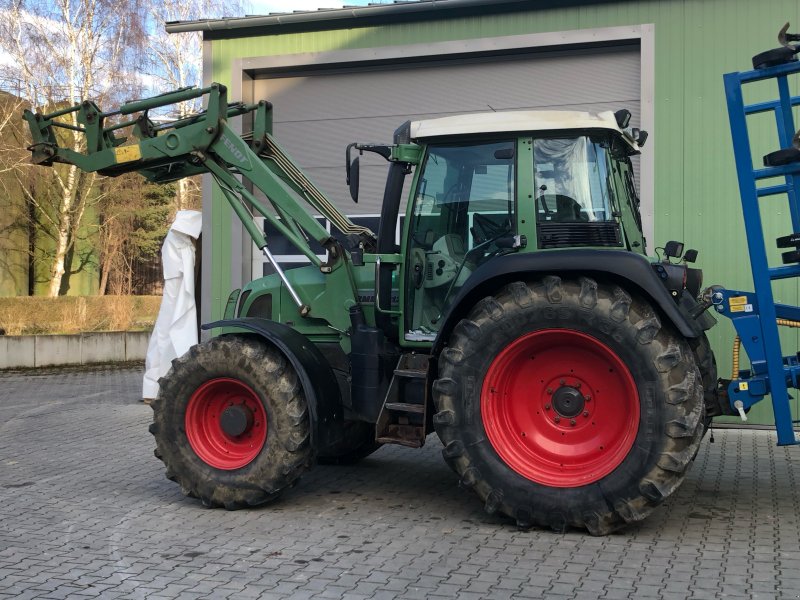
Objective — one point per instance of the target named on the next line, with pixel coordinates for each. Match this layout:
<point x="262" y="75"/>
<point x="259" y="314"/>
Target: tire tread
<point x="672" y="360"/>
<point x="287" y="452"/>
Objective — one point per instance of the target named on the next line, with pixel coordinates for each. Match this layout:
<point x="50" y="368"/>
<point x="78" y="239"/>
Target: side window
<point x="464" y="204"/>
<point x="572" y="180"/>
<point x="493" y="182"/>
<point x="433" y="184"/>
<point x="439" y="176"/>
<point x="579" y="192"/>
<point x="492" y="201"/>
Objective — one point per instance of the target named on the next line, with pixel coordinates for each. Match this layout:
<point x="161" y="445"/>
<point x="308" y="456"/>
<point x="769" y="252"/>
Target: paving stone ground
<point x="85" y="511"/>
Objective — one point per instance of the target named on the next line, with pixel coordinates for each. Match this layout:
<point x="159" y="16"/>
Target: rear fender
<point x="632" y="271"/>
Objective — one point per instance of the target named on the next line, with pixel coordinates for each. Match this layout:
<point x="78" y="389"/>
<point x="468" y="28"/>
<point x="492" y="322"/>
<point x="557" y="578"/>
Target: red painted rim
<point x="206" y="436"/>
<point x="528" y="402"/>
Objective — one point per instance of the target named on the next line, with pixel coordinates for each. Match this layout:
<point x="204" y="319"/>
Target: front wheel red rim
<point x="211" y="409"/>
<point x="560" y="407"/>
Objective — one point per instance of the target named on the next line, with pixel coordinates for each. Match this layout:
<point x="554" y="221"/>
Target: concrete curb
<point x="80" y="349"/>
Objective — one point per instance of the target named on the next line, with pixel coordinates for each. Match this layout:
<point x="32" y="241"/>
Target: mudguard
<point x="629" y="269"/>
<point x="315" y="374"/>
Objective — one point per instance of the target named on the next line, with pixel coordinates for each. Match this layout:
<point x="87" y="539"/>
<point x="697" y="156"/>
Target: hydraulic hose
<point x="311" y="192"/>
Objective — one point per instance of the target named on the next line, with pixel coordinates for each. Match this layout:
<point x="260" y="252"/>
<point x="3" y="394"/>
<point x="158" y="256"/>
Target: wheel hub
<point x="226" y="423"/>
<point x="568" y="401"/>
<point x="236" y="419"/>
<point x="560" y="407"/>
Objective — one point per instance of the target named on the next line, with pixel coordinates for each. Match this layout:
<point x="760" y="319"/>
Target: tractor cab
<point x="501" y="183"/>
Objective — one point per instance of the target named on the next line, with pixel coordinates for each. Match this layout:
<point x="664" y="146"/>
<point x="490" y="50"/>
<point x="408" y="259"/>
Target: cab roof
<point x="516" y="121"/>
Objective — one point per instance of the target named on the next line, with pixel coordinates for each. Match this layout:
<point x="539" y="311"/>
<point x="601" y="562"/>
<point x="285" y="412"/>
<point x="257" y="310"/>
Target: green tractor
<point x="567" y="375"/>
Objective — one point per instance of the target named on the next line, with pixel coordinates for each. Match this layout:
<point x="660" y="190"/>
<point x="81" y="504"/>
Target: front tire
<point x="231" y="423"/>
<point x="568" y="403"/>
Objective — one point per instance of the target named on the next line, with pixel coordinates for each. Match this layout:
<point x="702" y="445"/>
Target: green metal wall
<point x="696" y="195"/>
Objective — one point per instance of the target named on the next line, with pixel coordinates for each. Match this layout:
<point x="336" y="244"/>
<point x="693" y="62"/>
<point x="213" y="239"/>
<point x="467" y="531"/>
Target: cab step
<point x="403" y="418"/>
<point x="412" y="373"/>
<point x="403" y="407"/>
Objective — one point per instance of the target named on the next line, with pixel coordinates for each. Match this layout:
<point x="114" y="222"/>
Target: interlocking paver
<point x="87" y="512"/>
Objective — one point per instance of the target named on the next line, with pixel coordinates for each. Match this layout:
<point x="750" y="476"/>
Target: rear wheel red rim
<point x="560" y="407"/>
<point x="204" y="430"/>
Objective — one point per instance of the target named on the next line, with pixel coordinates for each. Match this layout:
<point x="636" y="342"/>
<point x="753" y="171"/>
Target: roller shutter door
<point x="317" y="113"/>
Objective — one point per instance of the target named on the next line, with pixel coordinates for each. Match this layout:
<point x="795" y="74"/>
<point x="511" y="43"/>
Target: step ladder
<point x="755" y="315"/>
<point x="403" y="418"/>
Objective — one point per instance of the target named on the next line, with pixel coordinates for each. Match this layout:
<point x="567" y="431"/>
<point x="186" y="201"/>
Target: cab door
<point x="462" y="204"/>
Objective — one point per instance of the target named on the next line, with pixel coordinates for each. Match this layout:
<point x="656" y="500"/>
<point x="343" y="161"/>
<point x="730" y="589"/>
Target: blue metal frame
<point x="755" y="314"/>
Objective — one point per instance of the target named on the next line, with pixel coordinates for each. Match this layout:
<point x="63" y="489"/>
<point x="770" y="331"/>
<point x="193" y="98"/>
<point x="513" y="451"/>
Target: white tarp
<point x="176" y="326"/>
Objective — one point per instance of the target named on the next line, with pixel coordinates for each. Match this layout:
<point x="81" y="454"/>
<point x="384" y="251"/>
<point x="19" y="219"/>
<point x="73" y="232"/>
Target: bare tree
<point x="176" y="61"/>
<point x="63" y="52"/>
<point x="14" y="262"/>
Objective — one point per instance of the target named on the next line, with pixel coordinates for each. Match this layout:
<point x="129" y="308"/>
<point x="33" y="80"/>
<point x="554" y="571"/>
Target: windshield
<point x="572" y="181"/>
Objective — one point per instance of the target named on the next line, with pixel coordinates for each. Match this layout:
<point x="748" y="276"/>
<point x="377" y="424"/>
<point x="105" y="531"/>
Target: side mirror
<point x="353" y="179"/>
<point x="351" y="171"/>
<point x="623" y="117"/>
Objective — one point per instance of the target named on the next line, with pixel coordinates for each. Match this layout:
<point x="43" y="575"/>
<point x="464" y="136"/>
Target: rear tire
<point x="625" y="388"/>
<point x="707" y="363"/>
<point x="271" y="451"/>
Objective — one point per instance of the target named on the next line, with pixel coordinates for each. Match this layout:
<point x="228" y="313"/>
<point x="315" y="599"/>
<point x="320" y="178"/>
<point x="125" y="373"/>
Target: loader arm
<point x="204" y="143"/>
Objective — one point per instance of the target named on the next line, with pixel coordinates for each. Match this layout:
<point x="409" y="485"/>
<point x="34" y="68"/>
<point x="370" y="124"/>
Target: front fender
<point x="315" y="374"/>
<point x="627" y="268"/>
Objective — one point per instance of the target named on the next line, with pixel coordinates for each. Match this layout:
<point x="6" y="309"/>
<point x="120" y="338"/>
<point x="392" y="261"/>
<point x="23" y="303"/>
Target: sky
<point x="262" y="7"/>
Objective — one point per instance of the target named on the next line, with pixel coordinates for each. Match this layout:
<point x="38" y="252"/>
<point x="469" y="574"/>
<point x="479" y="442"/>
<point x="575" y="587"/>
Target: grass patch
<point x="29" y="315"/>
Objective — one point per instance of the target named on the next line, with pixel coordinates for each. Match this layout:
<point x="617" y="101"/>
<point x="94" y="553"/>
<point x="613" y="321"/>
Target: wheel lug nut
<point x="561" y="382"/>
<point x="588" y="398"/>
<point x="586" y="413"/>
<point x="549" y="390"/>
<point x="547" y="407"/>
<point x="557" y="419"/>
<point x="572" y="421"/>
<point x="577" y="385"/>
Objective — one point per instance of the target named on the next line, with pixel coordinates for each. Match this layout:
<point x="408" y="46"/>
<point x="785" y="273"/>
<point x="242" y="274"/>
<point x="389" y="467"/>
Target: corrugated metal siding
<point x="696" y="196"/>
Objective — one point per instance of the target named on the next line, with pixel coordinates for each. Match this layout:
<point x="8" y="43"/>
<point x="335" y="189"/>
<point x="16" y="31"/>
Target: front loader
<point x="567" y="374"/>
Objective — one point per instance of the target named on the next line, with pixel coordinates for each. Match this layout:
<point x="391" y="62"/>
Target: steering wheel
<point x="480" y="250"/>
<point x="485" y="228"/>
